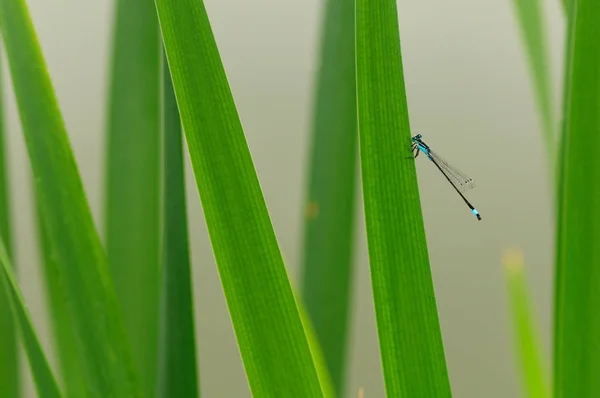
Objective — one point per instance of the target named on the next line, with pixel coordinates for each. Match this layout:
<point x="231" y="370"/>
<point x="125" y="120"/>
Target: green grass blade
<point x="328" y="236"/>
<point x="317" y="353"/>
<point x="409" y="332"/>
<point x="178" y="375"/>
<point x="64" y="336"/>
<point x="101" y="342"/>
<point x="533" y="30"/>
<point x="263" y="310"/>
<point x="577" y="352"/>
<point x="133" y="179"/>
<point x="42" y="374"/>
<point x="9" y="360"/>
<point x="528" y="346"/>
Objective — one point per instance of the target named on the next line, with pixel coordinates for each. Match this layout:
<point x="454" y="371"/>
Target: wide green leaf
<point x="42" y="374"/>
<point x="531" y="21"/>
<point x="9" y="360"/>
<point x="409" y="332"/>
<point x="527" y="338"/>
<point x="101" y="343"/>
<point x="263" y="310"/>
<point x="178" y="371"/>
<point x="577" y="352"/>
<point x="328" y="235"/>
<point x="133" y="179"/>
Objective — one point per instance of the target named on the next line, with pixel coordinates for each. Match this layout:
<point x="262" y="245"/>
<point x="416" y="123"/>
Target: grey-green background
<point x="469" y="93"/>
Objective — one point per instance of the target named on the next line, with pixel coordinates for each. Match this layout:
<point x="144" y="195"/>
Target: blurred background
<point x="469" y="94"/>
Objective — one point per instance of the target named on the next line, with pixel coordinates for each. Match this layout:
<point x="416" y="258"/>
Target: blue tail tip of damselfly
<point x="476" y="214"/>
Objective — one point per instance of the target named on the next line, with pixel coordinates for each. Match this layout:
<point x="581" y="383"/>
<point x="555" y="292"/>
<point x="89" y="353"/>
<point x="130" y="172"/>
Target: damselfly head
<point x="417" y="137"/>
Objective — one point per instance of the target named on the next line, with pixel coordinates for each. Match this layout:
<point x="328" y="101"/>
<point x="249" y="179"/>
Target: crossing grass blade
<point x="577" y="352"/>
<point x="533" y="30"/>
<point x="42" y="374"/>
<point x="62" y="326"/>
<point x="262" y="306"/>
<point x="527" y="341"/>
<point x="329" y="222"/>
<point x="409" y="332"/>
<point x="101" y="343"/>
<point x="133" y="179"/>
<point x="178" y="373"/>
<point x="9" y="360"/>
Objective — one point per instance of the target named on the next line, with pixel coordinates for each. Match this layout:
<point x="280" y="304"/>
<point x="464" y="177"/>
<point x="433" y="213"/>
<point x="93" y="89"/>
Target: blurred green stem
<point x="178" y="375"/>
<point x="531" y="22"/>
<point x="9" y="359"/>
<point x="577" y="327"/>
<point x="535" y="382"/>
<point x="133" y="179"/>
<point x="329" y="225"/>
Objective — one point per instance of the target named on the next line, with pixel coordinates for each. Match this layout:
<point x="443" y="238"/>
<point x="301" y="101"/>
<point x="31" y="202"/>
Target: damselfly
<point x="460" y="181"/>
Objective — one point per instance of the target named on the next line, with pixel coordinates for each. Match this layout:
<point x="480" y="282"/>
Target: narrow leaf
<point x="577" y="351"/>
<point x="178" y="371"/>
<point x="63" y="333"/>
<point x="409" y="332"/>
<point x="42" y="374"/>
<point x="100" y="341"/>
<point x="317" y="353"/>
<point x="527" y="339"/>
<point x="263" y="310"/>
<point x="328" y="236"/>
<point x="9" y="360"/>
<point x="133" y="179"/>
<point x="531" y="21"/>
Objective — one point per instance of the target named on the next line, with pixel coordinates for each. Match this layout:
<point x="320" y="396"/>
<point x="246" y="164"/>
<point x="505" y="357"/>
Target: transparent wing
<point x="462" y="181"/>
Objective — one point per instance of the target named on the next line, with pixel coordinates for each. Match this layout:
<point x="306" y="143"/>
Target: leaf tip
<point x="513" y="260"/>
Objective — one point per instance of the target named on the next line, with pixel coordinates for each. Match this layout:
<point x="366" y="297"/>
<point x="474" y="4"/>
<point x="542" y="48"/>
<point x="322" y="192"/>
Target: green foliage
<point x="178" y="348"/>
<point x="133" y="179"/>
<point x="263" y="310"/>
<point x="9" y="360"/>
<point x="42" y="375"/>
<point x="100" y="340"/>
<point x="328" y="235"/>
<point x="530" y="17"/>
<point x="577" y="352"/>
<point x="64" y="335"/>
<point x="409" y="333"/>
<point x="527" y="339"/>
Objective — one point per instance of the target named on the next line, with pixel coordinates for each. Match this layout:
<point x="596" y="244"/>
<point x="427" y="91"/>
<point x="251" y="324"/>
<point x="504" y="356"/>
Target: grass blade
<point x="263" y="310"/>
<point x="329" y="225"/>
<point x="535" y="381"/>
<point x="42" y="374"/>
<point x="317" y="353"/>
<point x="409" y="333"/>
<point x="178" y="347"/>
<point x="529" y="15"/>
<point x="101" y="341"/>
<point x="64" y="336"/>
<point x="9" y="360"/>
<point x="133" y="179"/>
<point x="577" y="352"/>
